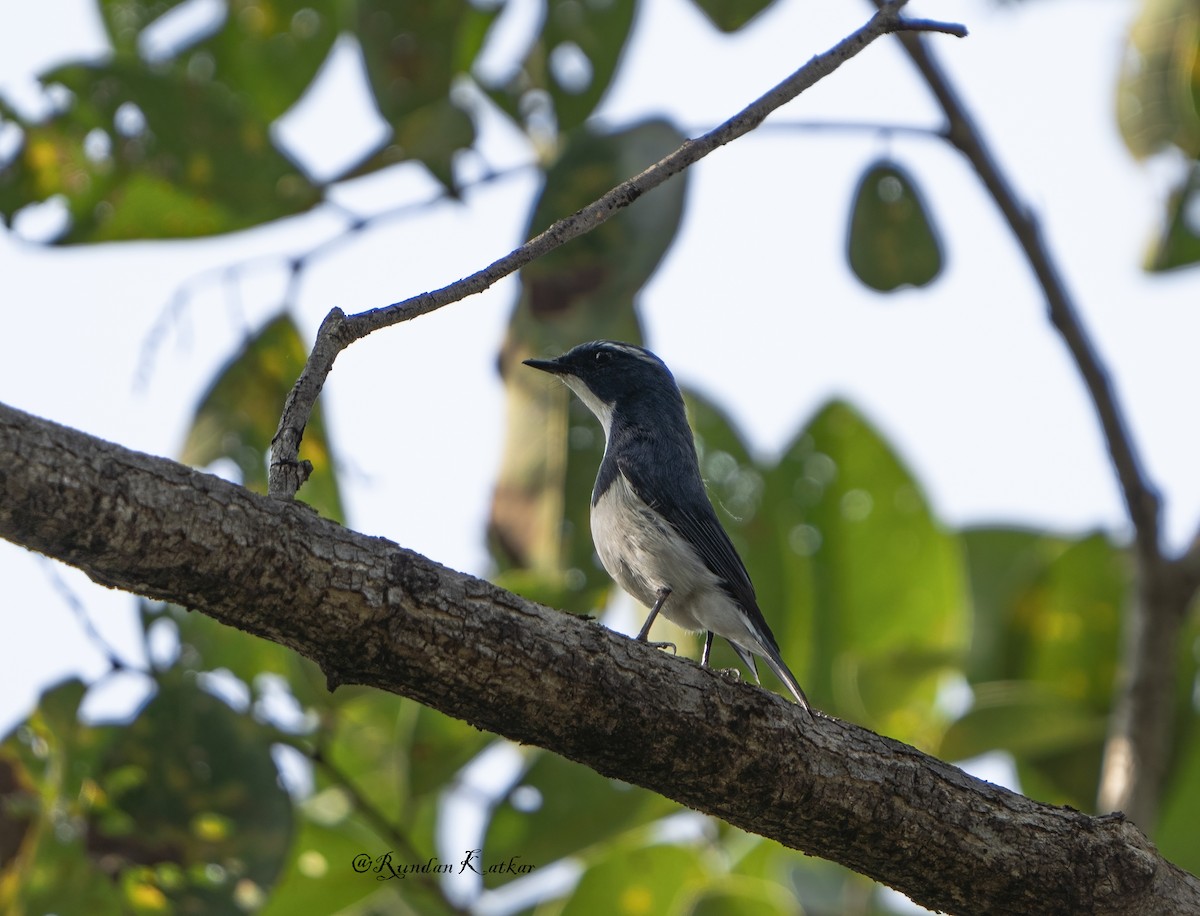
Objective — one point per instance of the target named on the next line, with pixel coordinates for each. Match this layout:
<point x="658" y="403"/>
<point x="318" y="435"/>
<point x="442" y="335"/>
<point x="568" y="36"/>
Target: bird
<point x="652" y="522"/>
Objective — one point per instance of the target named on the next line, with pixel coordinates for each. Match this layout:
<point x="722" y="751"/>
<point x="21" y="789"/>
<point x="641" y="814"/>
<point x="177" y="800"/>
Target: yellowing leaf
<point x="1157" y="91"/>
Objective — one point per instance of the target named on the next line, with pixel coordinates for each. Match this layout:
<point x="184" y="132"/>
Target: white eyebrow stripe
<point x="643" y="355"/>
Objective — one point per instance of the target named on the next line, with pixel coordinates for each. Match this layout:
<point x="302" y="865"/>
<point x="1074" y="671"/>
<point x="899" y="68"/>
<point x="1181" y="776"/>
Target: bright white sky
<point x="754" y="306"/>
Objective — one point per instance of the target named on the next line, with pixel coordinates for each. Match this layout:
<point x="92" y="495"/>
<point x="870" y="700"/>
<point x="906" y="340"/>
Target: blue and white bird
<point x="652" y="522"/>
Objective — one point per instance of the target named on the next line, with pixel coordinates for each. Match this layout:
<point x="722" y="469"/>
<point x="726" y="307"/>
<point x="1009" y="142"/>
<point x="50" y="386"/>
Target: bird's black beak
<point x="547" y="365"/>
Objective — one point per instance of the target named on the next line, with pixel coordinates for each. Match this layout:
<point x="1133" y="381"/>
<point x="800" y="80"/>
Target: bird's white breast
<point x="643" y="553"/>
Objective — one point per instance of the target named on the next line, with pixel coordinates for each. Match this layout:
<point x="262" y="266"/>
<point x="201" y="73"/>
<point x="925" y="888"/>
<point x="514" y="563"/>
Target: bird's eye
<point x="603" y="356"/>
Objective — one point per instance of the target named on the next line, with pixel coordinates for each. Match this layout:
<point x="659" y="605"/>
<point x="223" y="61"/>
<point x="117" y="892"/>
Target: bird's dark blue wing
<point x="680" y="499"/>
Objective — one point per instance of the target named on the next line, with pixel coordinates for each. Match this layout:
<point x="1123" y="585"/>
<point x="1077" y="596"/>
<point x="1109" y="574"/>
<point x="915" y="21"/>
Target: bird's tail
<point x="775" y="663"/>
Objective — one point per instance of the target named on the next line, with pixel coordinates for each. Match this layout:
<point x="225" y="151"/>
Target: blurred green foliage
<point x="1158" y="109"/>
<point x="568" y="66"/>
<point x="962" y="642"/>
<point x="172" y="136"/>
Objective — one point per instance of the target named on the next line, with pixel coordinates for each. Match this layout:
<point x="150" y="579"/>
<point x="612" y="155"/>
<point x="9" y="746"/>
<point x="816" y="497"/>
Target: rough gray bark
<point x="370" y="612"/>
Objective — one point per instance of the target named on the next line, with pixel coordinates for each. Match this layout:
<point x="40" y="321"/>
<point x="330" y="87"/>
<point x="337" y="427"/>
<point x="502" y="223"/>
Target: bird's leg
<point x="663" y="594"/>
<point x="730" y="674"/>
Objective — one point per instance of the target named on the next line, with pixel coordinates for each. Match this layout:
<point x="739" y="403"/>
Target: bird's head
<point x="609" y="375"/>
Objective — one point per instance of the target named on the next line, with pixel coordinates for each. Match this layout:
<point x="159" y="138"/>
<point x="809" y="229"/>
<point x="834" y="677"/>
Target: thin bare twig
<point x="338" y="330"/>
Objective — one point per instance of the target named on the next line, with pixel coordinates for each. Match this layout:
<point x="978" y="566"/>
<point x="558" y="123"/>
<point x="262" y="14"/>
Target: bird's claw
<point x="661" y="645"/>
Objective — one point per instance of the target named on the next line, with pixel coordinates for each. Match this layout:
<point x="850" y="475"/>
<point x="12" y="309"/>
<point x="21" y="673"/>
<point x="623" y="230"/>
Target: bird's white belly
<point x="644" y="554"/>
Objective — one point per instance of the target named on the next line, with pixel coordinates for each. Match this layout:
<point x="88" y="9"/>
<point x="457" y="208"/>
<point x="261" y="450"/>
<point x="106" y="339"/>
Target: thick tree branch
<point x="338" y="330"/>
<point x="370" y="612"/>
<point x="1139" y="745"/>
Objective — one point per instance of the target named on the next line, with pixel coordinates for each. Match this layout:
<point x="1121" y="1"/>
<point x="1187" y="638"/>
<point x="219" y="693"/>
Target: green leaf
<point x="1027" y="719"/>
<point x="574" y="810"/>
<point x="136" y="819"/>
<point x="125" y="20"/>
<point x="817" y="885"/>
<point x="437" y="747"/>
<point x="19" y="805"/>
<point x="207" y="645"/>
<point x="738" y="896"/>
<point x="319" y="876"/>
<point x="57" y="749"/>
<point x="736" y="484"/>
<point x="239" y="413"/>
<point x="1050" y="610"/>
<point x="368" y="742"/>
<point x="145" y="154"/>
<point x="570" y="589"/>
<point x="580" y="282"/>
<point x="56" y="876"/>
<point x="730" y="473"/>
<point x="180" y="146"/>
<point x="1070" y="620"/>
<point x="1175" y="834"/>
<point x="1003" y="563"/>
<point x="326" y="872"/>
<point x="47" y="765"/>
<point x="877" y="606"/>
<point x="413" y="53"/>
<point x="59" y="706"/>
<point x="267" y="51"/>
<point x="1179" y="243"/>
<point x="892" y="241"/>
<point x="573" y="61"/>
<point x="639" y="881"/>
<point x="191" y="783"/>
<point x="1066" y="777"/>
<point x="400" y="755"/>
<point x="731" y="15"/>
<point x="432" y="135"/>
<point x="1157" y="90"/>
<point x="1052" y="621"/>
